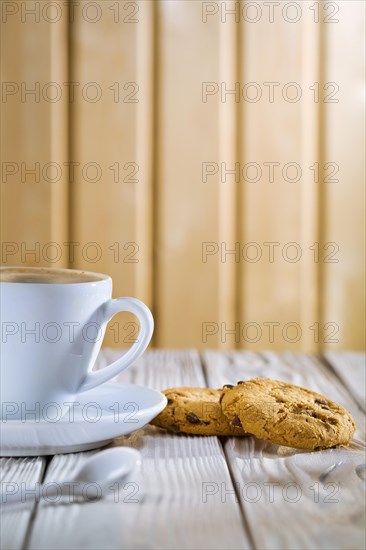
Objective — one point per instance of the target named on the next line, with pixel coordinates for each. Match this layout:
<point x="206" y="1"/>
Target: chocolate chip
<point x="192" y="418"/>
<point x="332" y="421"/>
<point x="170" y="401"/>
<point x="240" y="382"/>
<point x="229" y="386"/>
<point x="309" y="413"/>
<point x="321" y="402"/>
<point x="236" y="422"/>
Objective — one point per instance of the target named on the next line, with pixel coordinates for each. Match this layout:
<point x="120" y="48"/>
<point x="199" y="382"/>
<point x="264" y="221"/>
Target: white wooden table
<point x="208" y="492"/>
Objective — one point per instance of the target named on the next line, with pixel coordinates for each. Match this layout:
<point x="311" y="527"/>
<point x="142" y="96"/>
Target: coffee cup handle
<point x="142" y="312"/>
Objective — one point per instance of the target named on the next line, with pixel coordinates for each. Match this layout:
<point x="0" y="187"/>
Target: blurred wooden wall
<point x="132" y="124"/>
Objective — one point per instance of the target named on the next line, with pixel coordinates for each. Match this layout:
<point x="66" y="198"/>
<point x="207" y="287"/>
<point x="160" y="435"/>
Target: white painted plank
<point x="303" y="512"/>
<point x="351" y="369"/>
<point x="309" y="513"/>
<point x="14" y="520"/>
<point x="162" y="369"/>
<point x="172" y="512"/>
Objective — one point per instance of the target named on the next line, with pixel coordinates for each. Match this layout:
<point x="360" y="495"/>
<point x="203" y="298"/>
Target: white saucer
<point x="103" y="413"/>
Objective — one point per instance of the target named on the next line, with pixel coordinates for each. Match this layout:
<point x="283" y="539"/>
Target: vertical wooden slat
<point x="270" y="293"/>
<point x="111" y="217"/>
<point x="228" y="186"/>
<point x="145" y="147"/>
<point x="344" y="210"/>
<point x="59" y="125"/>
<point x="34" y="134"/>
<point x="311" y="190"/>
<point x="188" y="209"/>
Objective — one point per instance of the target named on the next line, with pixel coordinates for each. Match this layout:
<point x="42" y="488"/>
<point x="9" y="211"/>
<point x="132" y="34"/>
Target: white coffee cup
<point x="52" y="326"/>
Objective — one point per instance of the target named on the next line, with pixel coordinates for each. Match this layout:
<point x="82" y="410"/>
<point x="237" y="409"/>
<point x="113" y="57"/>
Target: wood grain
<point x="135" y="203"/>
<point x="313" y="495"/>
<point x="146" y="148"/>
<point x="351" y="369"/>
<point x="15" y="519"/>
<point x="344" y="215"/>
<point x="271" y="205"/>
<point x="34" y="112"/>
<point x="186" y="499"/>
<point x="111" y="137"/>
<point x="188" y="209"/>
<point x="172" y="512"/>
<point x="312" y="194"/>
<point x="228" y="214"/>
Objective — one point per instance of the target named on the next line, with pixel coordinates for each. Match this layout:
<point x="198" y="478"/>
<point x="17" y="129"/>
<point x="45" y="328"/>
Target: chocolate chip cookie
<point x="287" y="414"/>
<point x="195" y="411"/>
